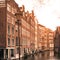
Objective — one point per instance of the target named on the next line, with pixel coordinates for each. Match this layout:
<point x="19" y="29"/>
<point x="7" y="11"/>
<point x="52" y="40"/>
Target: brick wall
<point x="2" y="27"/>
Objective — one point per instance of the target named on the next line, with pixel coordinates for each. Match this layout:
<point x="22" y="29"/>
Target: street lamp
<point x="19" y="30"/>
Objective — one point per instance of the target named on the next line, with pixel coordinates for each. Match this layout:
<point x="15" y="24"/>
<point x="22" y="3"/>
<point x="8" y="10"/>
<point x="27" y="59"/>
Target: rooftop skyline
<point x="46" y="11"/>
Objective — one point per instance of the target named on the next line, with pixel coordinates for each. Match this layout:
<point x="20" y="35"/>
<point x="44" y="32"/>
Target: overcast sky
<point x="46" y="11"/>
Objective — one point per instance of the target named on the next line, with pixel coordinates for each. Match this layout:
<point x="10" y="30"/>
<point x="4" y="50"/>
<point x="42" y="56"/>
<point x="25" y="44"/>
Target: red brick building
<point x="7" y="31"/>
<point x="45" y="38"/>
<point x="57" y="40"/>
<point x="11" y="32"/>
<point x="41" y="37"/>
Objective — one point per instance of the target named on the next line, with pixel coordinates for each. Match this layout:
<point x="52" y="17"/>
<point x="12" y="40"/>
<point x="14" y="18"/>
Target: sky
<point x="47" y="12"/>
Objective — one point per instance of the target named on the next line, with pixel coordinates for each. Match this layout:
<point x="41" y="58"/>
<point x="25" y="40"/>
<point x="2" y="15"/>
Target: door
<point x="1" y="53"/>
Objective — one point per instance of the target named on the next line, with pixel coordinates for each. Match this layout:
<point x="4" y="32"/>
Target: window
<point x="13" y="20"/>
<point x="12" y="30"/>
<point x="12" y="41"/>
<point x="13" y="11"/>
<point x="16" y="28"/>
<point x="8" y="29"/>
<point x="17" y="50"/>
<point x="51" y="45"/>
<point x="17" y="41"/>
<point x="8" y="41"/>
<point x="12" y="52"/>
<point x="9" y="8"/>
<point x="9" y="19"/>
<point x="24" y="41"/>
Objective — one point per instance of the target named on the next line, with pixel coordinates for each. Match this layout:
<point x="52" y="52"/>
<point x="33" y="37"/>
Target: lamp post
<point x="19" y="30"/>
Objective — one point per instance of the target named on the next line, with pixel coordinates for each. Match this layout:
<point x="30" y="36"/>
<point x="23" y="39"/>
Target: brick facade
<point x="31" y="34"/>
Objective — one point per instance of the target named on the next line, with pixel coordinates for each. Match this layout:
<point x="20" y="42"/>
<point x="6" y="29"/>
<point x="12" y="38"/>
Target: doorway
<point x="1" y="53"/>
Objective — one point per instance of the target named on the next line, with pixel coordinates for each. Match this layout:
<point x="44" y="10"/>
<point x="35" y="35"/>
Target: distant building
<point x="45" y="38"/>
<point x="57" y="40"/>
<point x="41" y="37"/>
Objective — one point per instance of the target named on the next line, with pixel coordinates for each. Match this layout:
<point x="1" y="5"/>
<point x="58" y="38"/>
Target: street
<point x="48" y="55"/>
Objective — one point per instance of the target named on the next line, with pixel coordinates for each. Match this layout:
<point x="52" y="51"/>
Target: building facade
<point x="17" y="35"/>
<point x="57" y="40"/>
<point x="8" y="19"/>
<point x="45" y="38"/>
<point x="41" y="37"/>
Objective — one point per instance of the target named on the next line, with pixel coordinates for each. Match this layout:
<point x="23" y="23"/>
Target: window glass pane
<point x="17" y="50"/>
<point x="16" y="27"/>
<point x="12" y="52"/>
<point x="8" y="29"/>
<point x="12" y="30"/>
<point x="8" y="41"/>
<point x="12" y="41"/>
<point x="17" y="41"/>
<point x="9" y="19"/>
